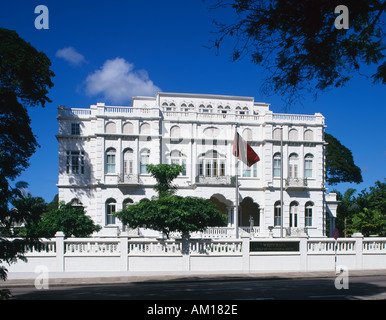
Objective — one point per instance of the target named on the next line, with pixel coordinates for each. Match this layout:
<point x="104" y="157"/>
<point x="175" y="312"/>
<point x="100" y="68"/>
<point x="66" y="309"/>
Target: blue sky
<point x="160" y="45"/>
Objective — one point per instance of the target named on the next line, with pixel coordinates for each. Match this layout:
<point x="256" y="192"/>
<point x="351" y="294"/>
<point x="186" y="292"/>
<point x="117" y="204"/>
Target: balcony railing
<point x="217" y="180"/>
<point x="296" y="183"/>
<point x="129" y="179"/>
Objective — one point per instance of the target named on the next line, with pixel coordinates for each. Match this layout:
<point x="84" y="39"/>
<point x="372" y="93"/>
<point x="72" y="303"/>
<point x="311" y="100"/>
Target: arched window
<point x="76" y="203"/>
<point x="293" y="166"/>
<point x="179" y="158"/>
<point x="175" y="132"/>
<point x="211" y="132"/>
<point x="276" y="134"/>
<point x="276" y="165"/>
<point x="144" y="160"/>
<point x="126" y="203"/>
<point x="244" y="111"/>
<point x="110" y="160"/>
<point x="308" y="160"/>
<point x="110" y="127"/>
<point x="277" y="214"/>
<point x="128" y="128"/>
<point x="293" y="135"/>
<point x="308" y="214"/>
<point x="145" y="128"/>
<point x="308" y="135"/>
<point x="212" y="164"/>
<point x="293" y="217"/>
<point x="110" y="209"/>
<point x="128" y="161"/>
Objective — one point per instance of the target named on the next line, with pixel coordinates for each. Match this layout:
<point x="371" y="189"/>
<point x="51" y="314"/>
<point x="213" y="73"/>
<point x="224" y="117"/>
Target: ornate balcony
<point x="129" y="179"/>
<point x="218" y="180"/>
<point x="296" y="183"/>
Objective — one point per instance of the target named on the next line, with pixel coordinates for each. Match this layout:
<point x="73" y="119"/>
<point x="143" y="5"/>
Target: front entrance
<point x="249" y="213"/>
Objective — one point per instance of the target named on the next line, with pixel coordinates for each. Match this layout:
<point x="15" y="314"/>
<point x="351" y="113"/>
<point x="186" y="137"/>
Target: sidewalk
<point x="81" y="279"/>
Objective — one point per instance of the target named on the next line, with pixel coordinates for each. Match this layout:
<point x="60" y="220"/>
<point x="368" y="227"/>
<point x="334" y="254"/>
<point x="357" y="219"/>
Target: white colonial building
<point x="103" y="152"/>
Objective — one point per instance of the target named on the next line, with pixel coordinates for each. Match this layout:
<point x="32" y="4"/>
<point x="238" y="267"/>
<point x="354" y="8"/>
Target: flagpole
<point x="281" y="184"/>
<point x="237" y="189"/>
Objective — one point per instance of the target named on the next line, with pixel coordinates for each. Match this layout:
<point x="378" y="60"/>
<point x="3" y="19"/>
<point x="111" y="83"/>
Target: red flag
<point x="244" y="151"/>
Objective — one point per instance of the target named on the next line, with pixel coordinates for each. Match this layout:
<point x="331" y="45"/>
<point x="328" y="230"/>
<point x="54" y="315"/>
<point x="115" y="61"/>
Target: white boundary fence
<point x="124" y="254"/>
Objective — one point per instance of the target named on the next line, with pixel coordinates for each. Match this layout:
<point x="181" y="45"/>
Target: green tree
<point x="170" y="213"/>
<point x="369" y="222"/>
<point x="297" y="44"/>
<point x="71" y="220"/>
<point x="346" y="209"/>
<point x="340" y="166"/>
<point x="164" y="175"/>
<point x="25" y="78"/>
<point x="365" y="212"/>
<point x="26" y="212"/>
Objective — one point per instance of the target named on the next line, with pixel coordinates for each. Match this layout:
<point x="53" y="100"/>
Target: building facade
<point x="103" y="152"/>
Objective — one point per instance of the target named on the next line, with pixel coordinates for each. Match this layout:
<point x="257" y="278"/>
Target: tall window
<point x="308" y="166"/>
<point x="308" y="214"/>
<point x="212" y="164"/>
<point x="75" y="162"/>
<point x="276" y="165"/>
<point x="110" y="209"/>
<point x="110" y="127"/>
<point x="144" y="160"/>
<point x="293" y="166"/>
<point x="308" y="135"/>
<point x="126" y="203"/>
<point x="179" y="158"/>
<point x="110" y="160"/>
<point x="144" y="128"/>
<point x="293" y="218"/>
<point x="128" y="161"/>
<point x="248" y="172"/>
<point x="75" y="129"/>
<point x="277" y="214"/>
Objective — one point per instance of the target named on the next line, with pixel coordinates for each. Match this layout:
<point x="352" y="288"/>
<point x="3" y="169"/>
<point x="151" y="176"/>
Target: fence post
<point x="303" y="253"/>
<point x="358" y="250"/>
<point x="124" y="250"/>
<point x="185" y="242"/>
<point x="59" y="239"/>
<point x="245" y="252"/>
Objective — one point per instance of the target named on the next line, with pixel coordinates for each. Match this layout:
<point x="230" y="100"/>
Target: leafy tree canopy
<point x="340" y="166"/>
<point x="298" y="45"/>
<point x="173" y="214"/>
<point x="164" y="175"/>
<point x="365" y="212"/>
<point x="25" y="78"/>
<point x="169" y="213"/>
<point x="69" y="219"/>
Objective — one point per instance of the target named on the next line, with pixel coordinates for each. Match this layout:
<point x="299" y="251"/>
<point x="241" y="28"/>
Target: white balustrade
<point x="374" y="246"/>
<point x="154" y="247"/>
<point x="92" y="246"/>
<point x="328" y="246"/>
<point x="215" y="247"/>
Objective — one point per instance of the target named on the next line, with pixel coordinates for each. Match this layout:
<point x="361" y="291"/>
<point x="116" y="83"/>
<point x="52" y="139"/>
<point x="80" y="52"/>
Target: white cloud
<point x="117" y="81"/>
<point x="71" y="55"/>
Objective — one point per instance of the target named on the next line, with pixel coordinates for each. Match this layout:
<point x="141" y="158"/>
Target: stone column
<point x="59" y="251"/>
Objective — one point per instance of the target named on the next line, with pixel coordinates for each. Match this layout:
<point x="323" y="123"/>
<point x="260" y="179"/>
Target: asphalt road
<point x="359" y="288"/>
